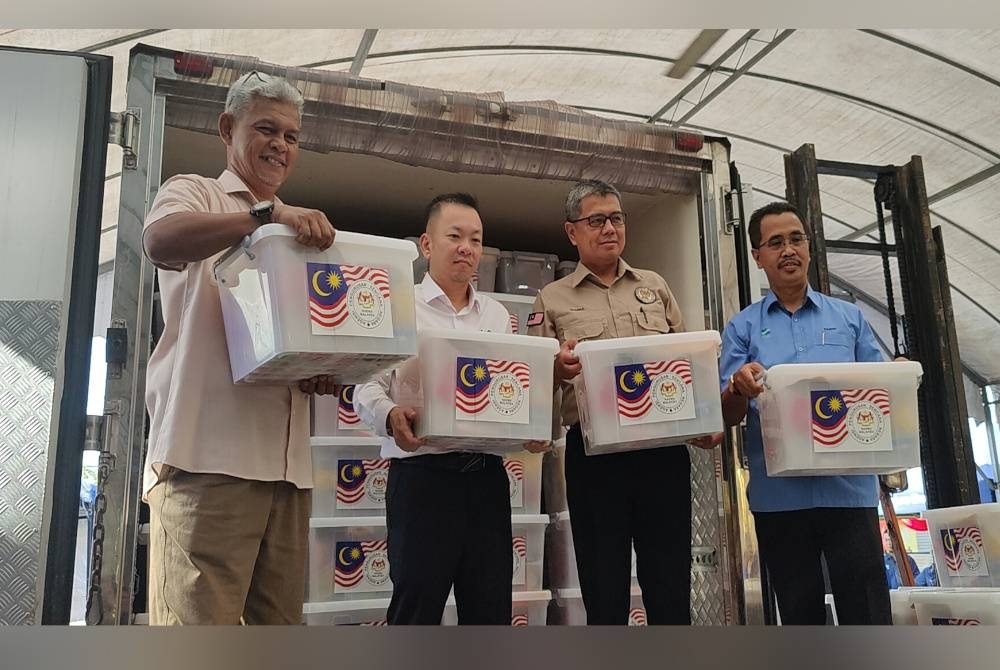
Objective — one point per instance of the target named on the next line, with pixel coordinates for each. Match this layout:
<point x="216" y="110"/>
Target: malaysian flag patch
<point x="535" y="319"/>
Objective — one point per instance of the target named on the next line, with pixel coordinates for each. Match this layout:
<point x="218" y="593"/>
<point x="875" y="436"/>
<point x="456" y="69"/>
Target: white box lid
<point x="543" y="343"/>
<point x="790" y="373"/>
<point x="347" y="441"/>
<point x="346" y="522"/>
<point x="345" y="606"/>
<point x="343" y="238"/>
<point x="702" y="337"/>
<point x="529" y="519"/>
<point x="510" y="297"/>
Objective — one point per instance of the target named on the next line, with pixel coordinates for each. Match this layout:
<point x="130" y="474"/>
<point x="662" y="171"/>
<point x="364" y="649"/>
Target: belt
<point x="456" y="461"/>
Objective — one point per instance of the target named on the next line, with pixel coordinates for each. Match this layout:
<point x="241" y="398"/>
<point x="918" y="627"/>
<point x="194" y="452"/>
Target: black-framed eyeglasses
<point x="617" y="220"/>
<point x="777" y="243"/>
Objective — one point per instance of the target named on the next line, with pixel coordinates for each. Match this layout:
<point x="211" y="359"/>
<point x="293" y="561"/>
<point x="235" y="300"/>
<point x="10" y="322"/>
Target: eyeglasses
<point x="617" y="220"/>
<point x="777" y="243"/>
<point x="253" y="73"/>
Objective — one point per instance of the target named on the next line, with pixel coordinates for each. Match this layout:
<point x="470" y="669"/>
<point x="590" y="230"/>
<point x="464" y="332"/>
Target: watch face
<point x="261" y="207"/>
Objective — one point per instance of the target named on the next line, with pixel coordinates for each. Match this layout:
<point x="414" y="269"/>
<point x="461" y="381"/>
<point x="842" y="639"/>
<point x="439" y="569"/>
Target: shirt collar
<point x="431" y="291"/>
<point x="812" y="296"/>
<point x="582" y="272"/>
<point x="232" y="183"/>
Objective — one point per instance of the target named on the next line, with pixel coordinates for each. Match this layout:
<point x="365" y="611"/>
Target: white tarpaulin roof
<point x="874" y="97"/>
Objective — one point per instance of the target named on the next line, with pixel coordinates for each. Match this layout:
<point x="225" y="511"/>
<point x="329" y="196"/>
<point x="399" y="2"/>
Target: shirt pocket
<point x="835" y="337"/>
<point x="650" y="323"/>
<point x="582" y="328"/>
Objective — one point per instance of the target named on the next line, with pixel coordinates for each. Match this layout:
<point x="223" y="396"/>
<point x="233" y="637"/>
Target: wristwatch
<point x="262" y="212"/>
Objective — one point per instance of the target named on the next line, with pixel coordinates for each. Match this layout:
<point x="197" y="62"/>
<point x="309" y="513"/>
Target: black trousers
<point x="615" y="500"/>
<point x="448" y="518"/>
<point x="791" y="544"/>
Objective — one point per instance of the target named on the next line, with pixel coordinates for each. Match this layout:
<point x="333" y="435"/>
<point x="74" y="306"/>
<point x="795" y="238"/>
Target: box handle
<point x="230" y="277"/>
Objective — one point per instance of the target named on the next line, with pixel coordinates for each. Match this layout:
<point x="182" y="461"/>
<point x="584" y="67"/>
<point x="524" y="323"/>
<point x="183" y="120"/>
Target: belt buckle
<point x="475" y="462"/>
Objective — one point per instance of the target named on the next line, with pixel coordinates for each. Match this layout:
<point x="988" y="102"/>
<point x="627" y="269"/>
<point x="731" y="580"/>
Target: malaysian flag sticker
<point x="488" y="389"/>
<point x="349" y="300"/>
<point x="361" y="483"/>
<point x="654" y="392"/>
<point x="361" y="566"/>
<point x="347" y="417"/>
<point x="851" y="420"/>
<point x="515" y="479"/>
<point x="964" y="552"/>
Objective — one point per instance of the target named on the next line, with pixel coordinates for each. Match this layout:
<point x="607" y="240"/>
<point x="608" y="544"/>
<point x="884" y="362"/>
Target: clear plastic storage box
<point x="480" y="391"/>
<point x="528" y="550"/>
<point x="568" y="609"/>
<point x="486" y="272"/>
<point x="956" y="607"/>
<point x="419" y="263"/>
<point x="518" y="306"/>
<point x="903" y="613"/>
<point x="966" y="544"/>
<point x="840" y="418"/>
<point x="528" y="609"/>
<point x="349" y="477"/>
<point x="369" y="612"/>
<point x="565" y="268"/>
<point x="525" y="272"/>
<point x="292" y="312"/>
<point x="348" y="559"/>
<point x="560" y="554"/>
<point x="524" y="472"/>
<point x="335" y="416"/>
<point x="648" y="391"/>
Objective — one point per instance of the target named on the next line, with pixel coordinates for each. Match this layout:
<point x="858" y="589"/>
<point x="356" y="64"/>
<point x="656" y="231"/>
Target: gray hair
<point x="584" y="189"/>
<point x="262" y="85"/>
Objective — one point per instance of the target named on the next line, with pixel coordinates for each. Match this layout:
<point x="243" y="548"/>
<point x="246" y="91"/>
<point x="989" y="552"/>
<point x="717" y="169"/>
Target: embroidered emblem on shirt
<point x="764" y="332"/>
<point x="645" y="295"/>
<point x="535" y="319"/>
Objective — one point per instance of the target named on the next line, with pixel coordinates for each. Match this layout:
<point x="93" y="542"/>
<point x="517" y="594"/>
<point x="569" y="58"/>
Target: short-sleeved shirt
<point x="823" y="330"/>
<point x="579" y="306"/>
<point x="374" y="400"/>
<point x="199" y="420"/>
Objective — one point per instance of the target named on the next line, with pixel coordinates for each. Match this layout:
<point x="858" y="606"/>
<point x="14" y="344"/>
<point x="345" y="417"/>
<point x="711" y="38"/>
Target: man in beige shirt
<point x="615" y="500"/>
<point x="228" y="472"/>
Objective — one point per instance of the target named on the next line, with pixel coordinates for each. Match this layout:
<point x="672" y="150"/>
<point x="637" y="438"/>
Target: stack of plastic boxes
<point x="519" y="307"/>
<point x="966" y="545"/>
<point x="563" y="579"/>
<point x="525" y="273"/>
<point x="348" y="562"/>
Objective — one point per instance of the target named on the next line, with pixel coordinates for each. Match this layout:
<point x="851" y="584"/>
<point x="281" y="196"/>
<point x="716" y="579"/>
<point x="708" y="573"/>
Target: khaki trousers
<point x="224" y="549"/>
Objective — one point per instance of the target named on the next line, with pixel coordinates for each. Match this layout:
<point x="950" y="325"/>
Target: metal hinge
<point x="124" y="131"/>
<point x="732" y="209"/>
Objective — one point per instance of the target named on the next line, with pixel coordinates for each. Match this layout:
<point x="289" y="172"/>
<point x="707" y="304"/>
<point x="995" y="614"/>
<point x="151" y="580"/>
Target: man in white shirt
<point x="448" y="514"/>
<point x="228" y="473"/>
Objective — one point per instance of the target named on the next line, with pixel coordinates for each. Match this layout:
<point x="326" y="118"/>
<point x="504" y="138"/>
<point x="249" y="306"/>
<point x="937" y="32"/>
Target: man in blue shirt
<point x="801" y="519"/>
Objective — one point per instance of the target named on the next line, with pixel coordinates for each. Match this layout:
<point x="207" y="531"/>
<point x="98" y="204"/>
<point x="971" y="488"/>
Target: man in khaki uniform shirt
<point x="615" y="500"/>
<point x="228" y="472"/>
